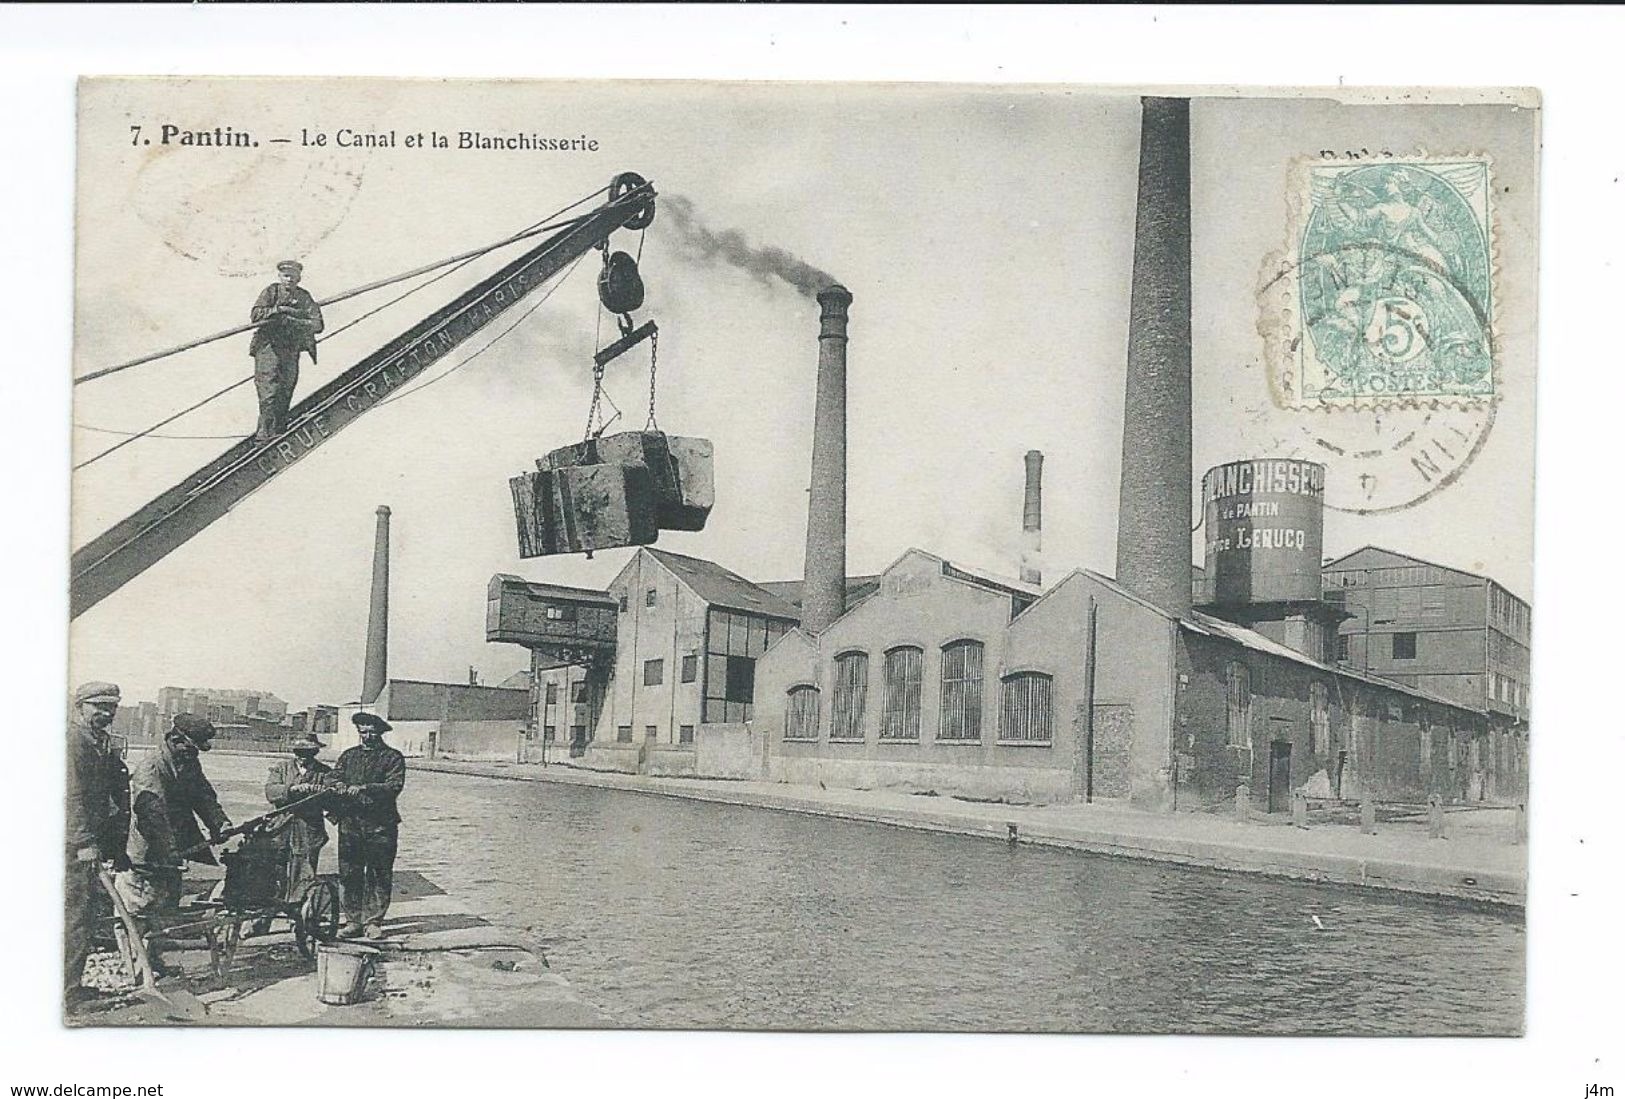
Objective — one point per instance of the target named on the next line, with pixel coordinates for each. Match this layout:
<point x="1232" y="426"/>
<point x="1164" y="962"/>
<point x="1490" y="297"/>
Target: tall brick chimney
<point x="1032" y="520"/>
<point x="823" y="597"/>
<point x="1154" y="502"/>
<point x="377" y="670"/>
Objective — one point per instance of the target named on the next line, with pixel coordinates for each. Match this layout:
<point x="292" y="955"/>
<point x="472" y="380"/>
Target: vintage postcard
<point x="826" y="557"/>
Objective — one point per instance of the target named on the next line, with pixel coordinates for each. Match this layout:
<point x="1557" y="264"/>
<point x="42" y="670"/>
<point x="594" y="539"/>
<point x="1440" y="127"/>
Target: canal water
<point x="671" y="913"/>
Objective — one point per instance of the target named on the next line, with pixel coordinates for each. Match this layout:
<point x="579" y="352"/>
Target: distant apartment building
<point x="221" y="706"/>
<point x="1452" y="633"/>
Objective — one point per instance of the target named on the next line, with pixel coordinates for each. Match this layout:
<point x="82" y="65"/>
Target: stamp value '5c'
<point x="1387" y="295"/>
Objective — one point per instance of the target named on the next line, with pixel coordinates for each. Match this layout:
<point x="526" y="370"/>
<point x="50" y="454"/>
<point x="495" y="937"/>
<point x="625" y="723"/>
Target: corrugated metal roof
<point x="1241" y="635"/>
<point x="721" y="587"/>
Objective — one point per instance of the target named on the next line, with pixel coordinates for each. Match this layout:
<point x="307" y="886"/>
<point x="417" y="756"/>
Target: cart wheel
<point x="318" y="920"/>
<point x="223" y="940"/>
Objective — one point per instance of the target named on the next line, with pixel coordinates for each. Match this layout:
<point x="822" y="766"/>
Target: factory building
<point x="1447" y="631"/>
<point x="666" y="652"/>
<point x="1170" y="687"/>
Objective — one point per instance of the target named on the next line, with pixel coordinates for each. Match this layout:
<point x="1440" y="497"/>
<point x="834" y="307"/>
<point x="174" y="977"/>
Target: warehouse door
<point x="1280" y="775"/>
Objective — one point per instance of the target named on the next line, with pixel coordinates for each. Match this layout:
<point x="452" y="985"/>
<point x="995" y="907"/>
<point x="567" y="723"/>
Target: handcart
<point x="266" y="882"/>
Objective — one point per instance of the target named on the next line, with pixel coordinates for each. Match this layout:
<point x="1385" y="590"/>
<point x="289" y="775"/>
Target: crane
<point x="130" y="547"/>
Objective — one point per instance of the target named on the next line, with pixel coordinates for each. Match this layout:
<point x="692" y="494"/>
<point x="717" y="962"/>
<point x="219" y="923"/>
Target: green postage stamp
<point x="1388" y="295"/>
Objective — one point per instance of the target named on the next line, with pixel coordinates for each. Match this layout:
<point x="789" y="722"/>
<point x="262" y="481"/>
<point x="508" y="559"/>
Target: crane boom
<point x="128" y="548"/>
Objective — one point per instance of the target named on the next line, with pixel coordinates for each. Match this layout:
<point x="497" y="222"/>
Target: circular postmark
<point x="1377" y="329"/>
<point x="1381" y="459"/>
<point x="242" y="213"/>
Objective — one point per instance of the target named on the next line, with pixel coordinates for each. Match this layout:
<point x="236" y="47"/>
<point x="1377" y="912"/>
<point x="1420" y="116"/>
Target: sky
<point x="985" y="234"/>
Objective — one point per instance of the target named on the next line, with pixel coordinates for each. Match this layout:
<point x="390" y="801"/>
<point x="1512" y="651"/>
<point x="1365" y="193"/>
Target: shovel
<point x="178" y="1005"/>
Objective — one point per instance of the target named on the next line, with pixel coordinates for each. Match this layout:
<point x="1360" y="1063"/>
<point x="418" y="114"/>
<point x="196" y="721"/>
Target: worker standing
<point x="289" y="321"/>
<point x="372" y="776"/>
<point x="298" y="780"/>
<point x="98" y="805"/>
<point x="169" y="794"/>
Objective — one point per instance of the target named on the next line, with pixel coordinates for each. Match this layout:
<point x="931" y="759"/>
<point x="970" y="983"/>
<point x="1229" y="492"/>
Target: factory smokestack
<point x="1154" y="503"/>
<point x="823" y="597"/>
<point x="1032" y="520"/>
<point x="377" y="670"/>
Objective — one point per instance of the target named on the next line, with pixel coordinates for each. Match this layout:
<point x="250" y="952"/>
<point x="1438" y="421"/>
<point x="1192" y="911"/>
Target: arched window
<point x="961" y="717"/>
<point x="851" y="695"/>
<point x="1024" y="710"/>
<point x="1239" y="711"/>
<point x="801" y="715"/>
<point x="901" y="719"/>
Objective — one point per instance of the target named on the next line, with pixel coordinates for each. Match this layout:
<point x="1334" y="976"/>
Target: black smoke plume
<point x="728" y="246"/>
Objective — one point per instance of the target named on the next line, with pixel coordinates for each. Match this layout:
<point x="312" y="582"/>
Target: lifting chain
<point x="654" y="358"/>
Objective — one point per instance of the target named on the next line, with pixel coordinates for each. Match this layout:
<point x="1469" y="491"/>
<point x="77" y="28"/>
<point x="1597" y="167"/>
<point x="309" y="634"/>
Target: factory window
<point x="690" y="668"/>
<point x="1343" y="640"/>
<point x="561" y="612"/>
<point x="1024" y="710"/>
<point x="961" y="691"/>
<point x="650" y="732"/>
<point x="1239" y="707"/>
<point x="623" y="733"/>
<point x="552" y="693"/>
<point x="623" y="602"/>
<point x="1404" y="646"/>
<point x="801" y="715"/>
<point x="578" y="691"/>
<point x="549" y="732"/>
<point x="1453" y="751"/>
<point x="733" y="642"/>
<point x="649" y="598"/>
<point x="578" y="734"/>
<point x="851" y="696"/>
<point x="1320" y="719"/>
<point x="685" y="734"/>
<point x="654" y="673"/>
<point x="901" y="718"/>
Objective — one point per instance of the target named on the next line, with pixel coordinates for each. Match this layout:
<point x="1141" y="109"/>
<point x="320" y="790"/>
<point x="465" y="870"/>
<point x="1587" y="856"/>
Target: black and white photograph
<point x="1063" y="521"/>
<point x="661" y="560"/>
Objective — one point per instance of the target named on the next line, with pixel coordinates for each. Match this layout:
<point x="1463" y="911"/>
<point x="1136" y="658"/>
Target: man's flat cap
<point x="371" y="721"/>
<point x="194" y="726"/>
<point x="306" y="743"/>
<point x="291" y="265"/>
<point x="96" y="692"/>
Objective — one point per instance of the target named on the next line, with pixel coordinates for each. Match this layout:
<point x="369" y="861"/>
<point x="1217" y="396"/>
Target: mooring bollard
<point x="1368" y="815"/>
<point x="1300" y="809"/>
<point x="1244" y="800"/>
<point x="1435" y="817"/>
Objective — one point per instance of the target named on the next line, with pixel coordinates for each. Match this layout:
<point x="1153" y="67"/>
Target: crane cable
<point x="460" y="261"/>
<point x="530" y="231"/>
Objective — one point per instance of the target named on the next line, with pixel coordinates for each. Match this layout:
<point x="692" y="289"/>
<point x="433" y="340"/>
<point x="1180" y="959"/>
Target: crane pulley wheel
<point x="627" y="182"/>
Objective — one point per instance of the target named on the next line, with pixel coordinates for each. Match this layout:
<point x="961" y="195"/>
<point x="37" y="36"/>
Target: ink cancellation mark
<point x="1387" y="297"/>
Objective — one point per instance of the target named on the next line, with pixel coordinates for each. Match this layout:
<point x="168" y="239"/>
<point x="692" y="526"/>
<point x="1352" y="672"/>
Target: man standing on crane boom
<point x="289" y="320"/>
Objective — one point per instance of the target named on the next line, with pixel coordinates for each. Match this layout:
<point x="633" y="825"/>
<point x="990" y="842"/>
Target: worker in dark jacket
<point x="169" y="794"/>
<point x="98" y="816"/>
<point x="298" y="780"/>
<point x="289" y="320"/>
<point x="372" y="776"/>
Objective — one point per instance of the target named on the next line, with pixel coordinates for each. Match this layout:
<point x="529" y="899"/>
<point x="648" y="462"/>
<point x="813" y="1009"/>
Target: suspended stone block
<point x="680" y="466"/>
<point x="580" y="509"/>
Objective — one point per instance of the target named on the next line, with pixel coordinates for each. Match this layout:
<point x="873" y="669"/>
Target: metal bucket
<point x="342" y="970"/>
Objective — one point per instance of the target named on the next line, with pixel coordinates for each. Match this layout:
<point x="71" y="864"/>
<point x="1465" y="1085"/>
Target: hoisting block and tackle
<point x="609" y="491"/>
